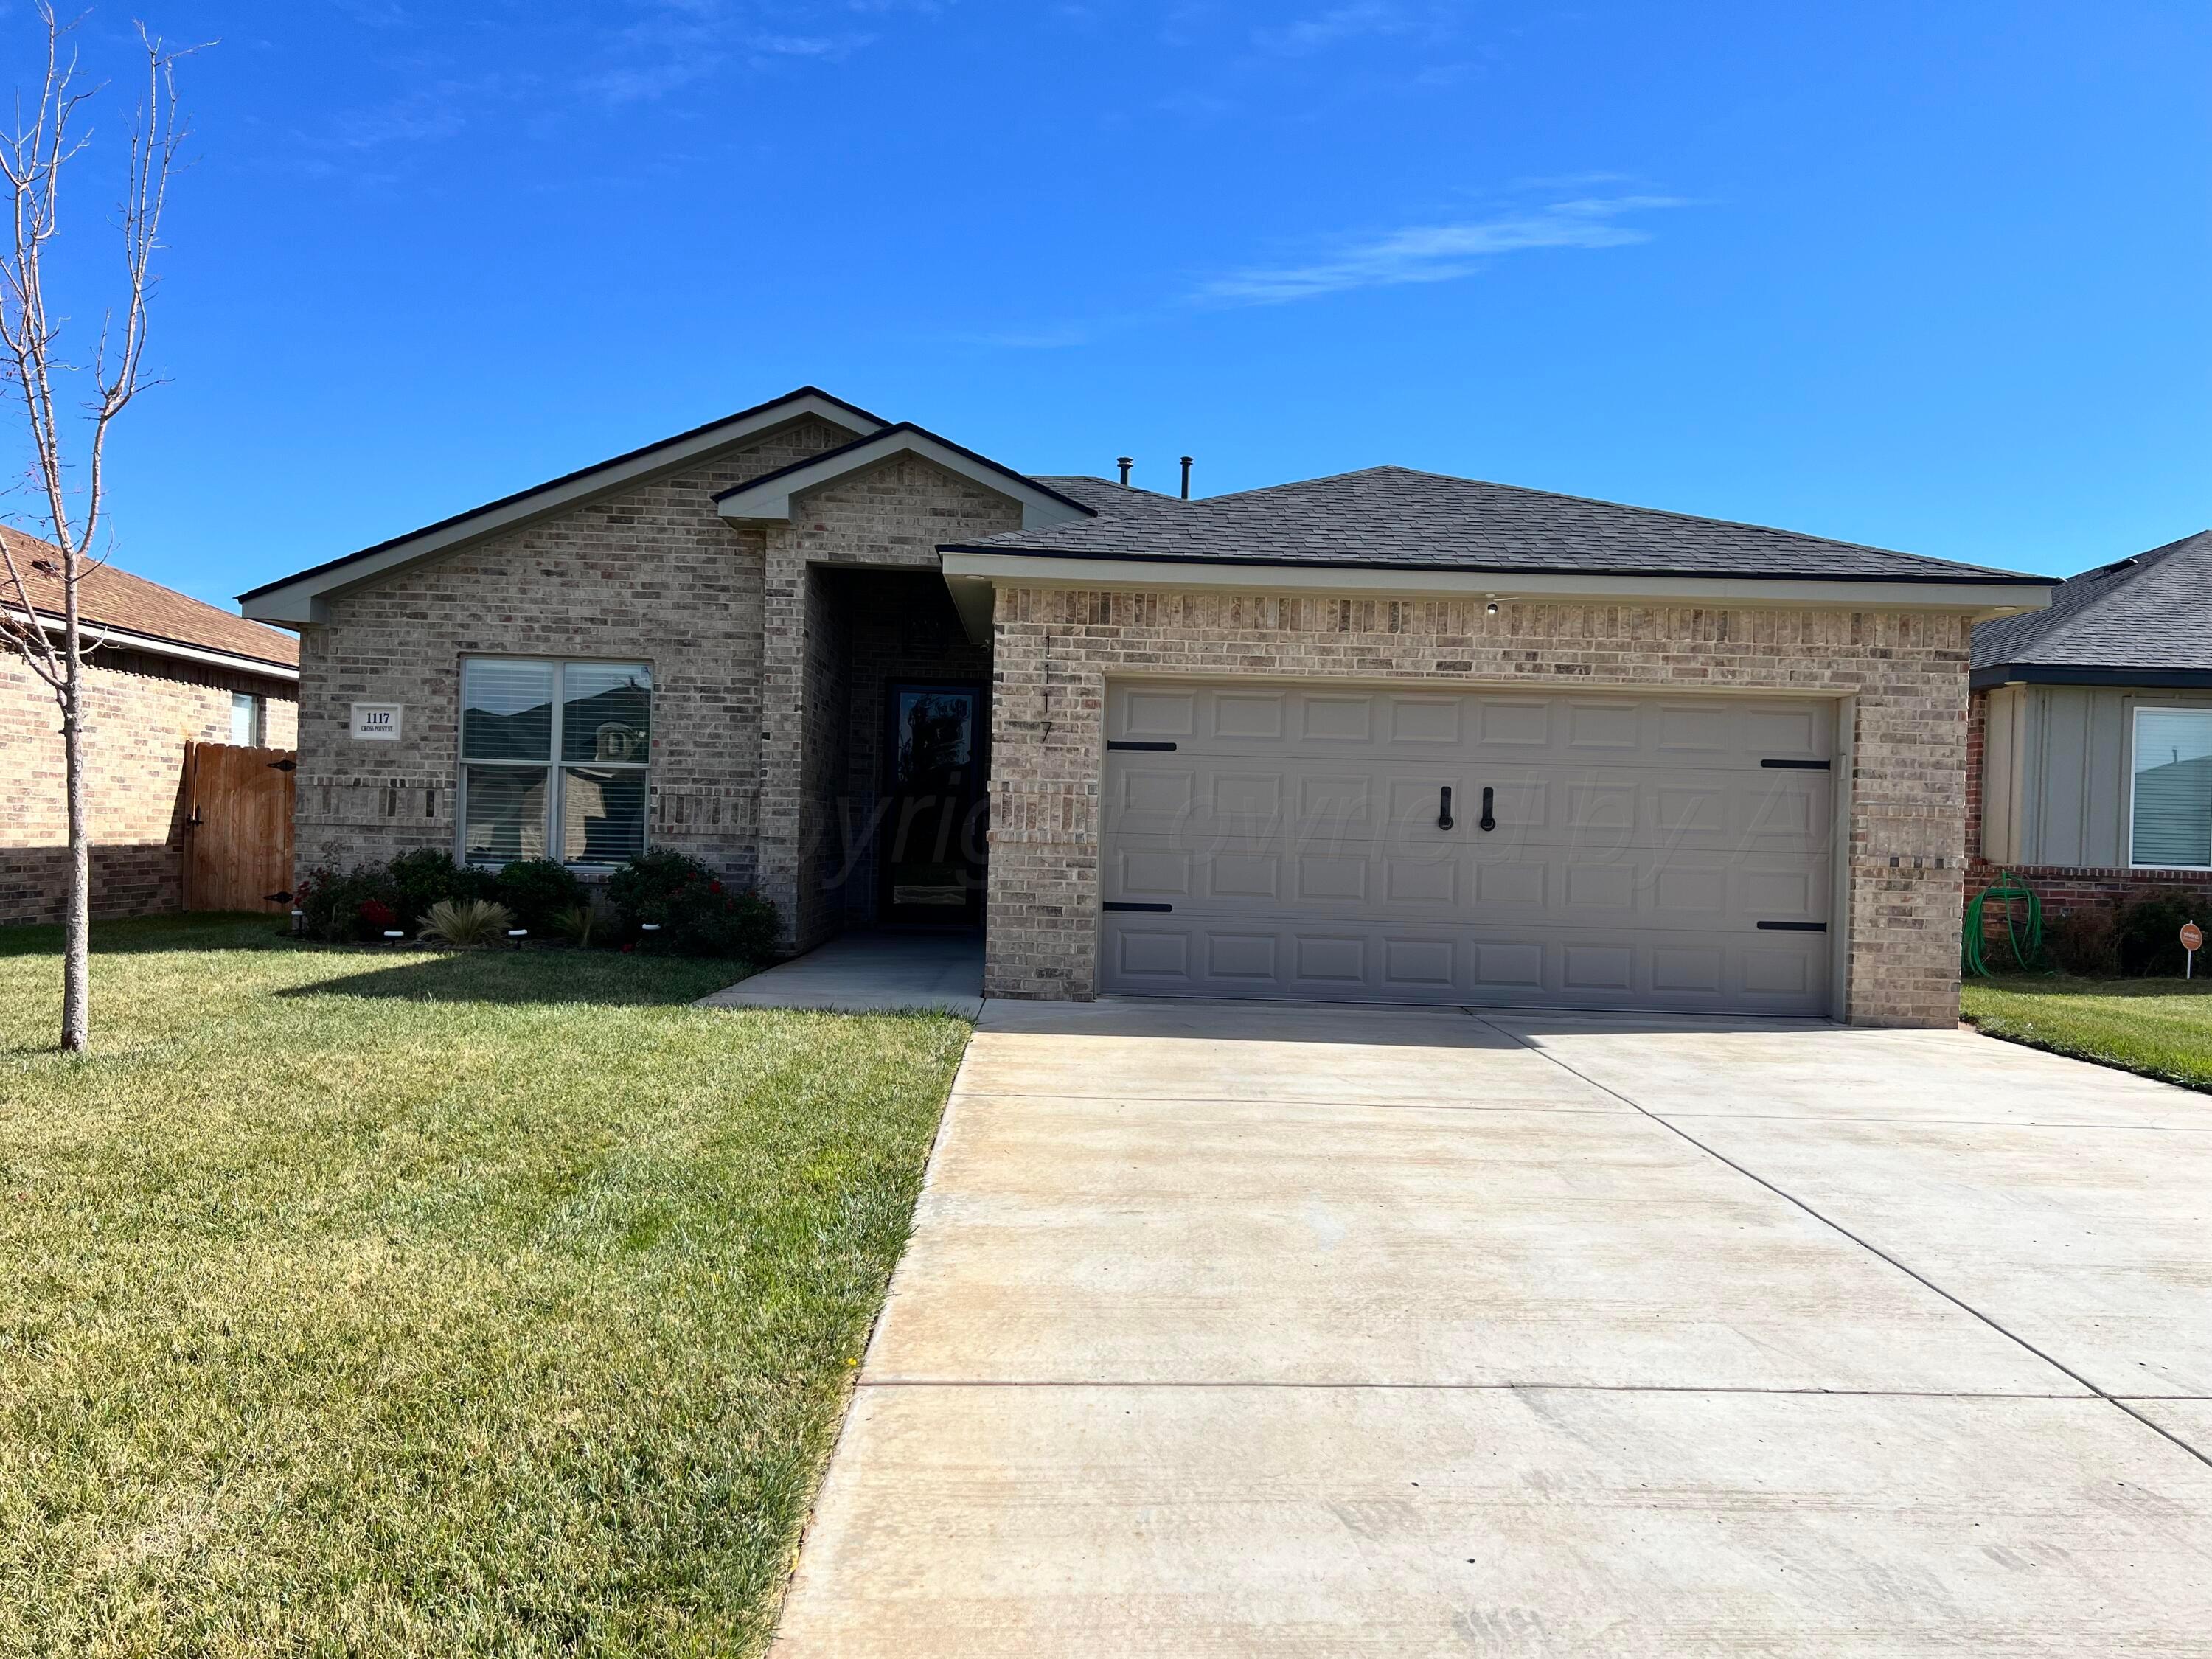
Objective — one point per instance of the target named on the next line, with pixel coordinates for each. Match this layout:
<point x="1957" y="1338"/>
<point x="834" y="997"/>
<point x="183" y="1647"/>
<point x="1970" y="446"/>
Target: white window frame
<point x="557" y="767"/>
<point x="2135" y="729"/>
<point x="256" y="733"/>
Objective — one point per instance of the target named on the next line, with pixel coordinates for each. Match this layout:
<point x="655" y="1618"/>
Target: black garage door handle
<point x="1444" y="808"/>
<point x="1489" y="818"/>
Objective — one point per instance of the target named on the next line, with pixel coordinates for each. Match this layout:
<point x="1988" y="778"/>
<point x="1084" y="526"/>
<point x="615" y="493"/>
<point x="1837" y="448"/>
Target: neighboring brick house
<point x="1388" y="737"/>
<point x="164" y="671"/>
<point x="2090" y="734"/>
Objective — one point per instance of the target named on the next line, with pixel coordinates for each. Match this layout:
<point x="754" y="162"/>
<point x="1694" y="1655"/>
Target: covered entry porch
<point x="894" y="740"/>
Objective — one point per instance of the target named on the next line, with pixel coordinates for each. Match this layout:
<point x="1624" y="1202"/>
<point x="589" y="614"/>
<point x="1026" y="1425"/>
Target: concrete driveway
<point x="1241" y="1329"/>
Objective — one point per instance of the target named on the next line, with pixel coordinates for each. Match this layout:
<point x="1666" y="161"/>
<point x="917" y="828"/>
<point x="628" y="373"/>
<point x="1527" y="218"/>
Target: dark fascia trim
<point x="999" y="467"/>
<point x="2037" y="673"/>
<point x="578" y="476"/>
<point x="1966" y="574"/>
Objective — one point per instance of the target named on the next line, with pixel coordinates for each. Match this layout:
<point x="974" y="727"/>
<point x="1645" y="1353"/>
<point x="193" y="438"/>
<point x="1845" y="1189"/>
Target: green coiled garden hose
<point x="2027" y="938"/>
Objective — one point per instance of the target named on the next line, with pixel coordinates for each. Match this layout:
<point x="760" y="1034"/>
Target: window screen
<point x="2172" y="826"/>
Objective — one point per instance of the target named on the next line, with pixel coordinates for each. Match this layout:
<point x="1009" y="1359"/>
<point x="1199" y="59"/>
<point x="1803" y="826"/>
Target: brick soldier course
<point x="779" y="569"/>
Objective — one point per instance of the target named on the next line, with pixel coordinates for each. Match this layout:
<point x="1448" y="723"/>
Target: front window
<point x="2171" y="816"/>
<point x="553" y="759"/>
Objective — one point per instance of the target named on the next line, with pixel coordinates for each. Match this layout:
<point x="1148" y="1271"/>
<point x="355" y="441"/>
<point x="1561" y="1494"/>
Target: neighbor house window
<point x="553" y="759"/>
<point x="2169" y="823"/>
<point x="245" y="719"/>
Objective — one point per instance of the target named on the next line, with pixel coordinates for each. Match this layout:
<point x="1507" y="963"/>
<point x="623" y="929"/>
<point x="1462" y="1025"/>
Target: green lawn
<point x="2161" y="1028"/>
<point x="364" y="1305"/>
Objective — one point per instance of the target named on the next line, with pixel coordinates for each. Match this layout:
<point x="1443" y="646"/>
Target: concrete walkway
<point x="870" y="973"/>
<point x="1233" y="1330"/>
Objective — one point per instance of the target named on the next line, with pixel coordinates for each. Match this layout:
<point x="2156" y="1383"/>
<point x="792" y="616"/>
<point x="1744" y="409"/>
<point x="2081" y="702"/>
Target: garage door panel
<point x="1306" y="798"/>
<point x="1550" y="966"/>
<point x="1288" y="845"/>
<point x="1684" y="891"/>
<point x="1695" y="731"/>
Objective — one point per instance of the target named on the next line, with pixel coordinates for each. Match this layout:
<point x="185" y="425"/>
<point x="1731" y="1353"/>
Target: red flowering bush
<point x="377" y="915"/>
<point x="692" y="912"/>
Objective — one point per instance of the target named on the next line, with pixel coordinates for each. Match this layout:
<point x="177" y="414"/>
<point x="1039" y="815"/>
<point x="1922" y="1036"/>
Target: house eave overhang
<point x="96" y="634"/>
<point x="972" y="572"/>
<point x="769" y="500"/>
<point x="302" y="597"/>
<point x="2037" y="673"/>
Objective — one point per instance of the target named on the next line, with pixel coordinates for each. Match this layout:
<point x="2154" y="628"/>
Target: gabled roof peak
<point x="767" y="499"/>
<point x="295" y="598"/>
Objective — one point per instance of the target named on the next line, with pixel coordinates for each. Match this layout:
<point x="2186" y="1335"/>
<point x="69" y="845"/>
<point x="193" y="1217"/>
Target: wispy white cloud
<point x="1438" y="252"/>
<point x="677" y="43"/>
<point x="1323" y="29"/>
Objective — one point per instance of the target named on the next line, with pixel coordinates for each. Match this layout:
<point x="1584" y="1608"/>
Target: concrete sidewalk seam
<point x="2116" y="1401"/>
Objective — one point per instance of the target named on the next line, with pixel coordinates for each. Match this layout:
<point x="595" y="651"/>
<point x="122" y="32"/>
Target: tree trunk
<point x="77" y="915"/>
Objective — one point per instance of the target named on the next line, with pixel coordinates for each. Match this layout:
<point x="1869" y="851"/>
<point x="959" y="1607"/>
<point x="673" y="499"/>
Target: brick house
<point x="2089" y="769"/>
<point x="1386" y="736"/>
<point x="165" y="670"/>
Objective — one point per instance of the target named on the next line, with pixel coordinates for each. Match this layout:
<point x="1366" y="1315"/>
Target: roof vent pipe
<point x="1125" y="462"/>
<point x="1186" y="478"/>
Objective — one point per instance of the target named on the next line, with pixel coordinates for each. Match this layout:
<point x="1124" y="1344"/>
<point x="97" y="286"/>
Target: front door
<point x="935" y="818"/>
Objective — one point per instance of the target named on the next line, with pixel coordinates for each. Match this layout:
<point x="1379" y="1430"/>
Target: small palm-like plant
<point x="467" y="922"/>
<point x="595" y="918"/>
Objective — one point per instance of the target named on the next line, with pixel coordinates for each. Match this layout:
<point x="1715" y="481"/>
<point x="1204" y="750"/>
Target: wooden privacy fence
<point x="238" y="828"/>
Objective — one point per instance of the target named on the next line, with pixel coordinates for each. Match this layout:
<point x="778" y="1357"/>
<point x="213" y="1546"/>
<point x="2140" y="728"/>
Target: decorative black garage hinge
<point x="1798" y="766"/>
<point x="1793" y="926"/>
<point x="1155" y="748"/>
<point x="1117" y="904"/>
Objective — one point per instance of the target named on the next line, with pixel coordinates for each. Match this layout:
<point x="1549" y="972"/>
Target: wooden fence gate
<point x="238" y="828"/>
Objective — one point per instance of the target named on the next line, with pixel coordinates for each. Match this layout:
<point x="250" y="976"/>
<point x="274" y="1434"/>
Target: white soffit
<point x="97" y="634"/>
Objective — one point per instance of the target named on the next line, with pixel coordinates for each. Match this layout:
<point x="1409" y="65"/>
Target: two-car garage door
<point x="1335" y="844"/>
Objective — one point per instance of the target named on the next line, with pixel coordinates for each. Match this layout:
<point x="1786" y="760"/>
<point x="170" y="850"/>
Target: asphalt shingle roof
<point x="1394" y="518"/>
<point x="119" y="599"/>
<point x="2151" y="611"/>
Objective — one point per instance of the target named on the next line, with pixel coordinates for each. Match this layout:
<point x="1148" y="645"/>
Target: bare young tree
<point x="67" y="440"/>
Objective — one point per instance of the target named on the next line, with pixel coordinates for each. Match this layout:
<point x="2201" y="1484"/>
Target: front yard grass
<point x="497" y="1304"/>
<point x="2160" y="1028"/>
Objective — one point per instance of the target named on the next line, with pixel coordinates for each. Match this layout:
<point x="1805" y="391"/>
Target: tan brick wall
<point x="651" y="573"/>
<point x="752" y="709"/>
<point x="1905" y="674"/>
<point x="140" y="712"/>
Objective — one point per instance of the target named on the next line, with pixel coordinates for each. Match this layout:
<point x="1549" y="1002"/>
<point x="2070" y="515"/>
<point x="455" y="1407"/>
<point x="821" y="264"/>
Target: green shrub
<point x="331" y="904"/>
<point x="2149" y="932"/>
<point x="595" y="921"/>
<point x="693" y="911"/>
<point x="468" y="922"/>
<point x="2084" y="942"/>
<point x="429" y="877"/>
<point x="537" y="891"/>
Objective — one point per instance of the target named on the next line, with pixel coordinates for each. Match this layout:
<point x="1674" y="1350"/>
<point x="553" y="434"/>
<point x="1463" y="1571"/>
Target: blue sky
<point x="1928" y="277"/>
